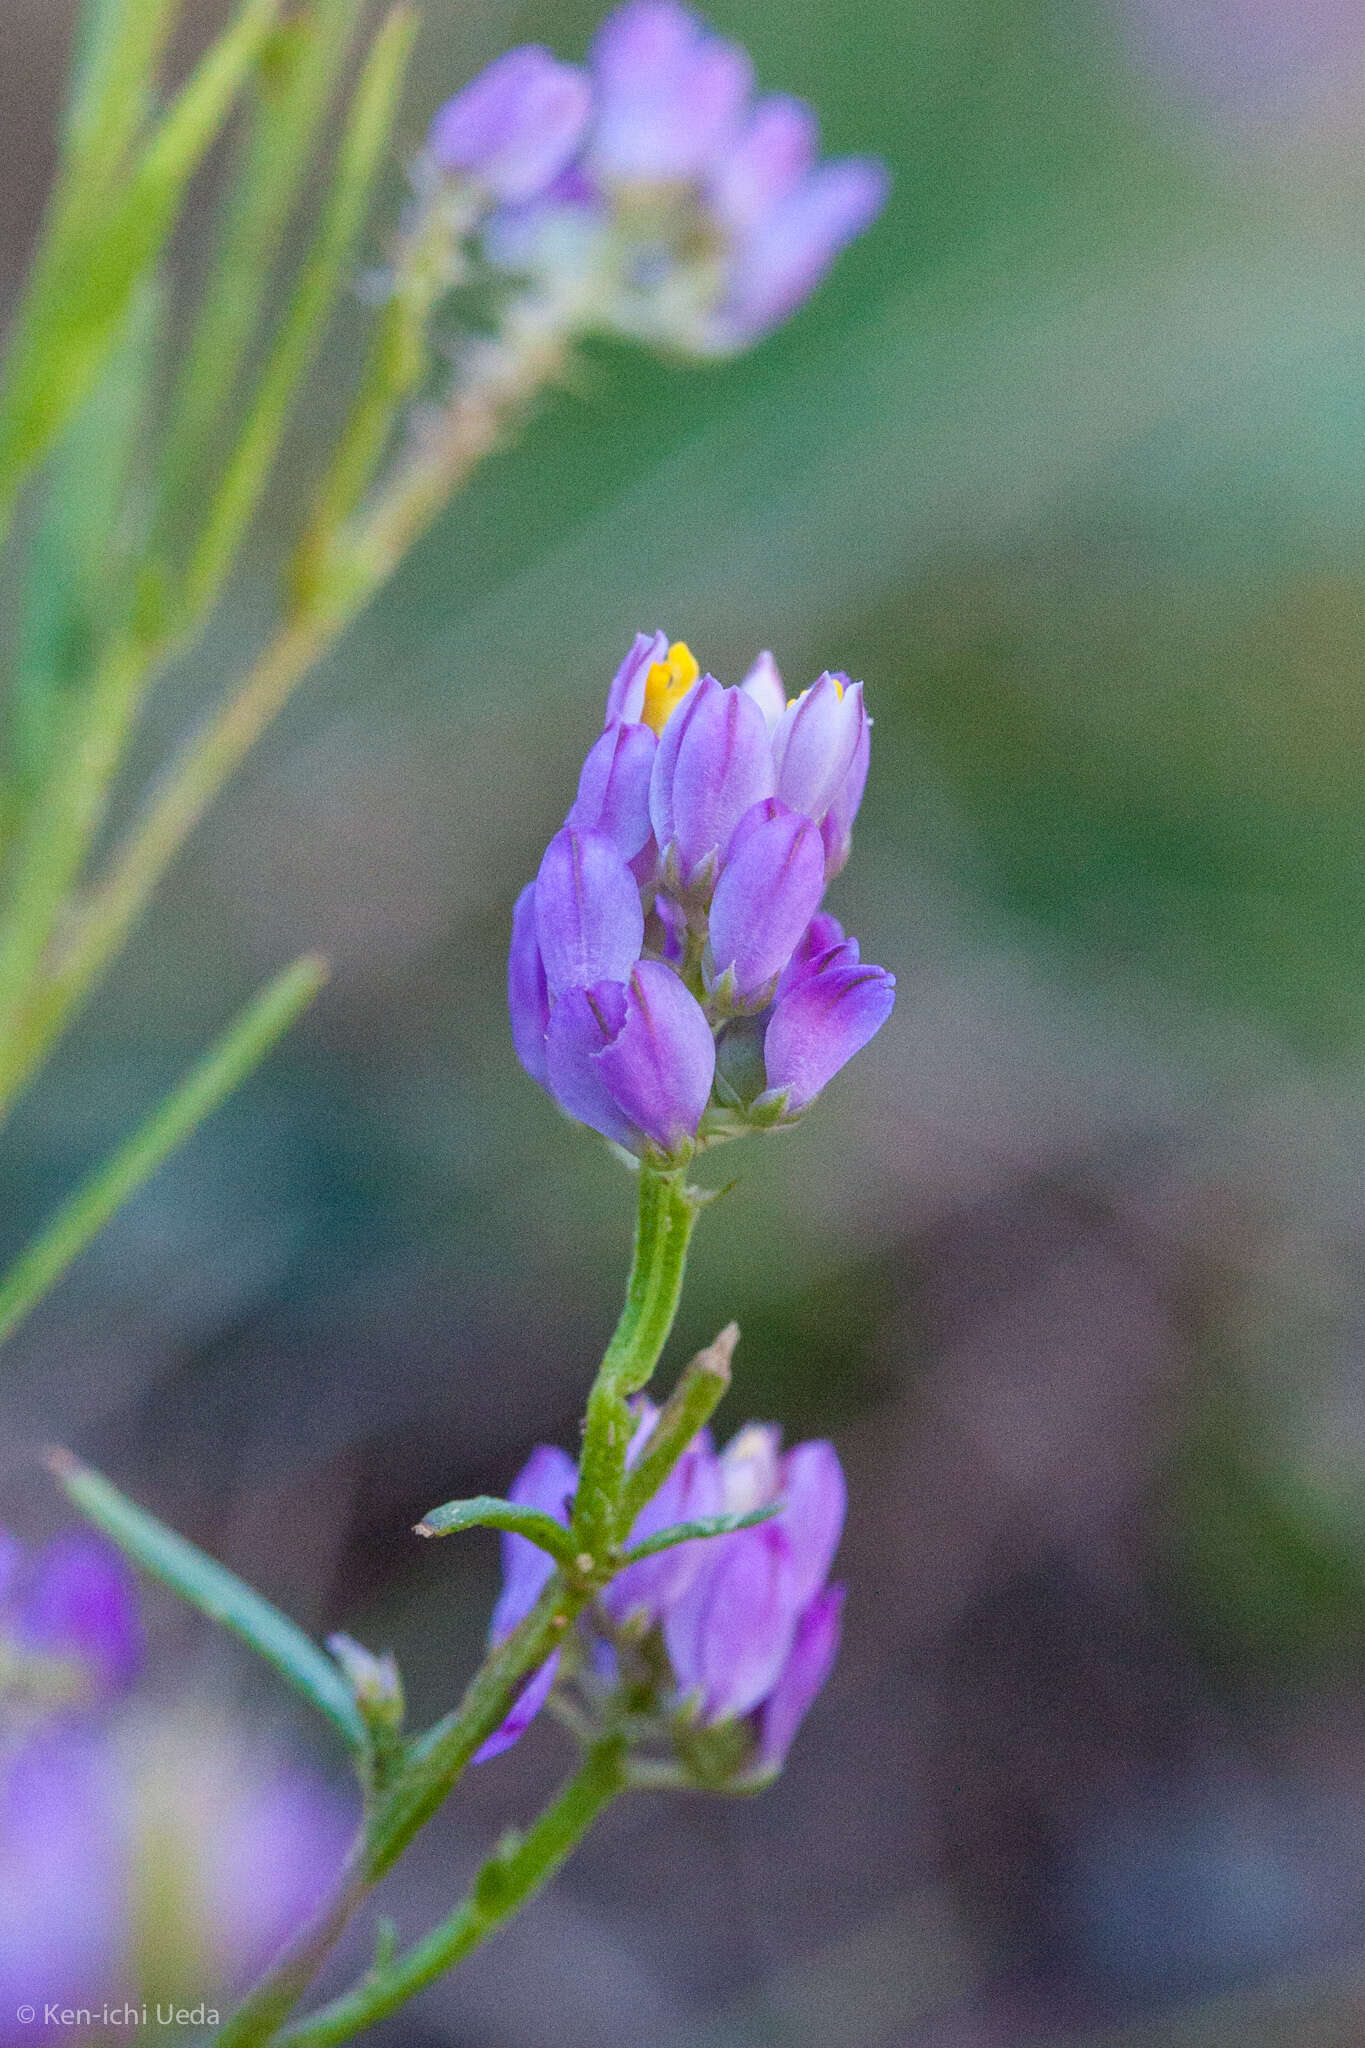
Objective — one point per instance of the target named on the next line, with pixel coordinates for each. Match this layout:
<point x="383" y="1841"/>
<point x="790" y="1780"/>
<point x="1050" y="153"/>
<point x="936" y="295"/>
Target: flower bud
<point x="626" y="691"/>
<point x="837" y="827"/>
<point x="815" y="744"/>
<point x="764" y="684"/>
<point x="713" y="764"/>
<point x="375" y="1683"/>
<point x="613" y="789"/>
<point x="657" y="960"/>
<point x="820" y="1023"/>
<point x="635" y="1061"/>
<point x="770" y="888"/>
<point x="589" y="921"/>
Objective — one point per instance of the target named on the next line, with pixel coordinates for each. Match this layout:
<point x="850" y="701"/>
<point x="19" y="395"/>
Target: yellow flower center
<point x="667" y="683"/>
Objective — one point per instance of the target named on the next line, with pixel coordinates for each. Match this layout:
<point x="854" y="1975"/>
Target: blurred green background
<point x="1065" y="460"/>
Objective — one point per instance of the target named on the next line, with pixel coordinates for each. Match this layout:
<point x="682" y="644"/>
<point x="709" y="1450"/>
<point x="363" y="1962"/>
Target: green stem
<point x="434" y="1763"/>
<point x="667" y="1212"/>
<point x="512" y="1876"/>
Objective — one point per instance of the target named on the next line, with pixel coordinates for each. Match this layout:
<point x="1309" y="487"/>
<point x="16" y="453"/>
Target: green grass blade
<point x="215" y="1591"/>
<point x="42" y="1263"/>
<point x="82" y="548"/>
<point x="326" y="268"/>
<point x="295" y="77"/>
<point x="119" y="47"/>
<point x="82" y="285"/>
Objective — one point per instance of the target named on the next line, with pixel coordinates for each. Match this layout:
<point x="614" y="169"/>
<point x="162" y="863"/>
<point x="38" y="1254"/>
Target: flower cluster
<point x="672" y="977"/>
<point x="737" y="1632"/>
<point x="650" y="191"/>
<point x="139" y="1858"/>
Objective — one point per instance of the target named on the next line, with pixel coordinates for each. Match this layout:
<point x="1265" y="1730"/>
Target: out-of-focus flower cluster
<point x="141" y="1858"/>
<point x="649" y="194"/>
<point x="717" y="1646"/>
<point x="672" y="978"/>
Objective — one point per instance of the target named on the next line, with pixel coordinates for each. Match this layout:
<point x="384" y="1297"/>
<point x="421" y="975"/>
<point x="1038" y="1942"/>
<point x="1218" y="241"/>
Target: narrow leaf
<point x="113" y="85"/>
<point x="77" y="582"/>
<point x="214" y="1590"/>
<point x="687" y="1410"/>
<point x="38" y="1268"/>
<point x="485" y="1511"/>
<point x="295" y="76"/>
<point x="327" y="266"/>
<point x="710" y="1525"/>
<point x="83" y="278"/>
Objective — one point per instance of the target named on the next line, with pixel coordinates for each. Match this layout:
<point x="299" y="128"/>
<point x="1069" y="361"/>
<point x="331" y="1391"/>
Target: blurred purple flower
<point x="515" y="126"/>
<point x="683" y="895"/>
<point x="79" y="1601"/>
<point x="64" y="1878"/>
<point x="70" y="1625"/>
<point x="650" y="191"/>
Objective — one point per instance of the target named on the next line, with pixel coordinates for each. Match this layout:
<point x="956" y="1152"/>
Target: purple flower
<point x="613" y="789"/>
<point x="769" y="890"/>
<point x="815" y="744"/>
<point x="168" y="1858"/>
<point x="748" y="1620"/>
<point x="645" y="1591"/>
<point x="80" y="1603"/>
<point x="754" y="1633"/>
<point x="516" y="126"/>
<point x="714" y="762"/>
<point x="63" y="1877"/>
<point x="589" y="921"/>
<point x="635" y="1062"/>
<point x="546" y="1481"/>
<point x="528" y="996"/>
<point x="787" y="252"/>
<point x="815" y="1646"/>
<point x="669" y="95"/>
<point x="69" y="1625"/>
<point x="652" y="194"/>
<point x="818" y="1025"/>
<point x="269" y="1856"/>
<point x="683" y="894"/>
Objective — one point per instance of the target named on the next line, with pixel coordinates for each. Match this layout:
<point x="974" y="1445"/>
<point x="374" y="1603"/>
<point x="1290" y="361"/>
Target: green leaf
<point x="77" y="582"/>
<point x="88" y="268"/>
<point x="295" y="76"/>
<point x="328" y="264"/>
<point x="42" y="1263"/>
<point x="214" y="1590"/>
<point x="119" y="47"/>
<point x="485" y="1511"/>
<point x="709" y="1525"/>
